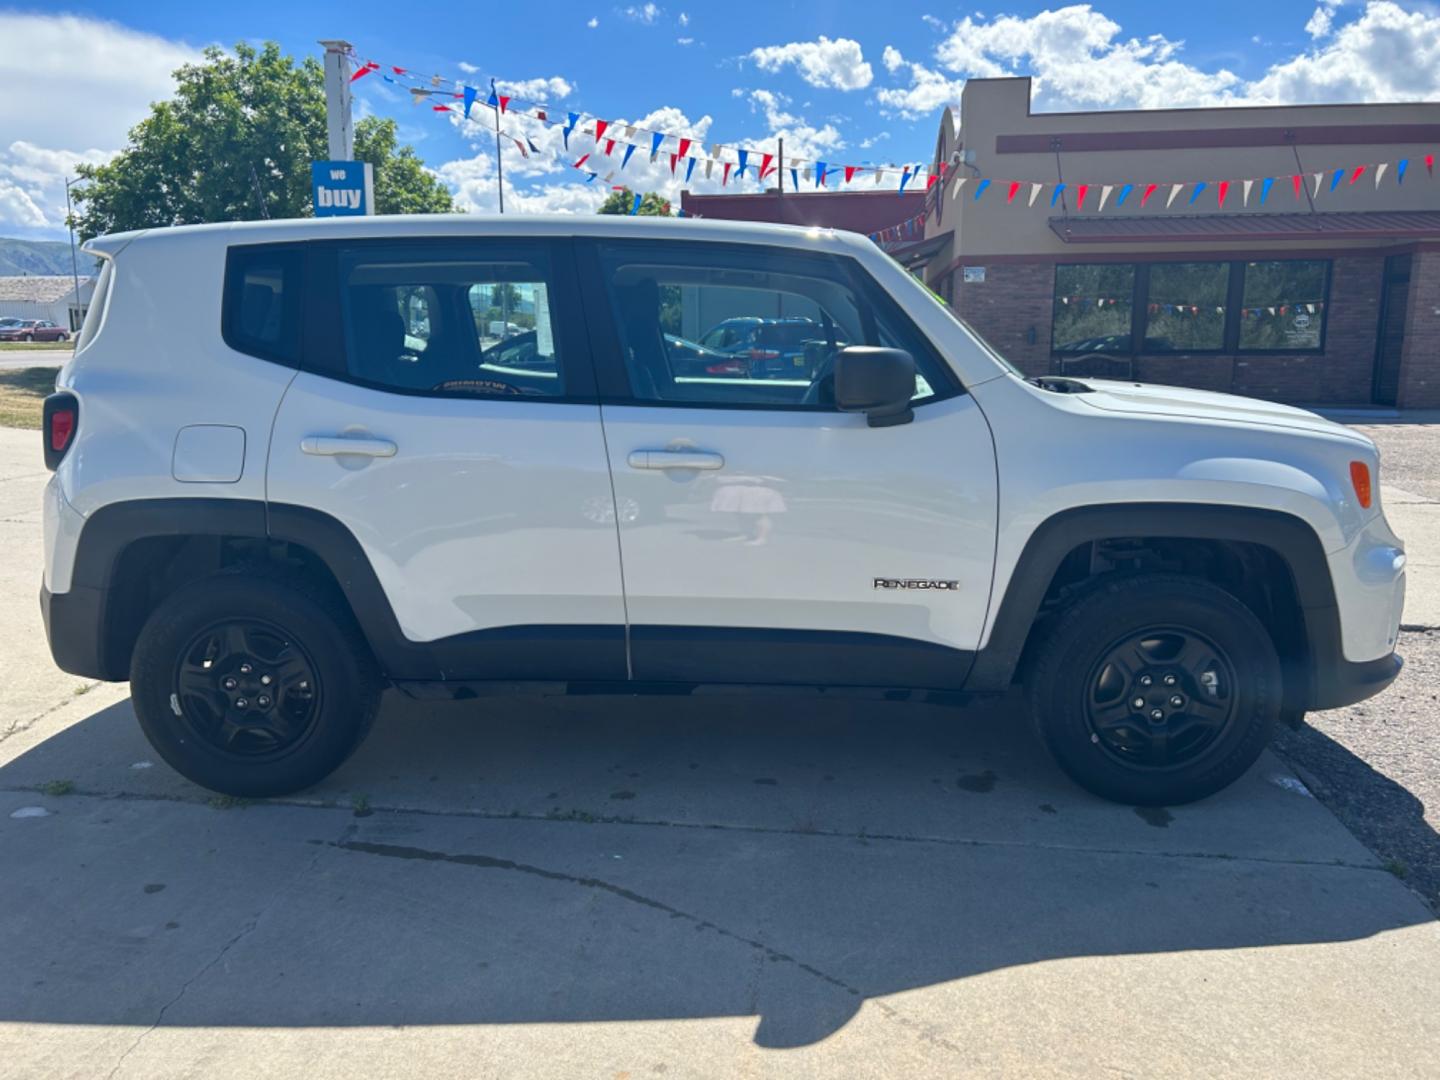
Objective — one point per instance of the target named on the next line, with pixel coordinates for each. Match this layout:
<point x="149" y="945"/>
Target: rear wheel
<point x="1155" y="689"/>
<point x="252" y="685"/>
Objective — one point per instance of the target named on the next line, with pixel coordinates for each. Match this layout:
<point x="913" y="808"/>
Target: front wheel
<point x="1155" y="689"/>
<point x="253" y="685"/>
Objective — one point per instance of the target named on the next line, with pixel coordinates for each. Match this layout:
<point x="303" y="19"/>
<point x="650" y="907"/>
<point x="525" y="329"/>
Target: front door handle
<point x="675" y="459"/>
<point x="335" y="445"/>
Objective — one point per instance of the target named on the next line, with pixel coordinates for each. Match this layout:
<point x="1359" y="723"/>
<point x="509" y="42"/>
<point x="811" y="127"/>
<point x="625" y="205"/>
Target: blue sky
<point x="842" y="82"/>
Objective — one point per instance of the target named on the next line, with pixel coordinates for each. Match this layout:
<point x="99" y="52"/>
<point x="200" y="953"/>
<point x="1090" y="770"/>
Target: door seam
<point x="619" y="546"/>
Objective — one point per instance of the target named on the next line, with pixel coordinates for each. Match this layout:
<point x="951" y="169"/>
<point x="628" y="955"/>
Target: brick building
<point x="1328" y="297"/>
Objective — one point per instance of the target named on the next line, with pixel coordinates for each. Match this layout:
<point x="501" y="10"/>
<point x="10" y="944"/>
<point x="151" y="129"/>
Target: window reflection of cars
<point x="791" y="347"/>
<point x="691" y="359"/>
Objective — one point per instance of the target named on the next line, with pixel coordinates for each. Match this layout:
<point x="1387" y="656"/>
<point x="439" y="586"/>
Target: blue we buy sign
<point x="342" y="188"/>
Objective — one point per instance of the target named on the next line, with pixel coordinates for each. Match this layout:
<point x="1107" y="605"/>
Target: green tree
<point x="620" y="202"/>
<point x="236" y="144"/>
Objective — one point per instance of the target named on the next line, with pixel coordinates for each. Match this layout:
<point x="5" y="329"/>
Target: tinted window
<point x="1284" y="305"/>
<point x="262" y="302"/>
<point x="448" y="323"/>
<point x="1185" y="307"/>
<point x="768" y="324"/>
<point x="1094" y="308"/>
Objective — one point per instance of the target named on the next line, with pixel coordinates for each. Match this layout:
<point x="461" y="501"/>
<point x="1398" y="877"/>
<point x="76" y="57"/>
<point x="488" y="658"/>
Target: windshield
<point x="940" y="302"/>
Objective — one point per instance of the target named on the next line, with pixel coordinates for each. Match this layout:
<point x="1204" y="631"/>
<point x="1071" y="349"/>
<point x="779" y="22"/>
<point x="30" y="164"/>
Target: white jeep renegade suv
<point x="296" y="462"/>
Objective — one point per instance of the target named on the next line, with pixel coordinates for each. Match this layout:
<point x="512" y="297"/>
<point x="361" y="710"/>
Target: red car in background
<point x="32" y="330"/>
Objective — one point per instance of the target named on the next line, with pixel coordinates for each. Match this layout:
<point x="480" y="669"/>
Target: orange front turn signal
<point x="1360" y="481"/>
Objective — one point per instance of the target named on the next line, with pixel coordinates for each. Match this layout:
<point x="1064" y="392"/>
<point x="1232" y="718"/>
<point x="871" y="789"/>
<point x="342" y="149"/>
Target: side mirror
<point x="878" y="382"/>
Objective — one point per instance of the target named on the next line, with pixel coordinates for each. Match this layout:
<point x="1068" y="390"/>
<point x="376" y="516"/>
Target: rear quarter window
<point x="261" y="314"/>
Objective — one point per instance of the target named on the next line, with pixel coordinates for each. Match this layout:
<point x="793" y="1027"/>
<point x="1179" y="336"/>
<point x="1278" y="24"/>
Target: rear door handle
<point x="335" y="445"/>
<point x="675" y="459"/>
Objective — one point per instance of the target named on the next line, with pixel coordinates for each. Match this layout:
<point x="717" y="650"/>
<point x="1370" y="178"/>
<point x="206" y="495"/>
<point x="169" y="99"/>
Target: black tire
<point x="1151" y="626"/>
<point x="323" y="690"/>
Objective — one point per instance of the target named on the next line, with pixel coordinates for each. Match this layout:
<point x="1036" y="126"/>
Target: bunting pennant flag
<point x="1014" y="187"/>
<point x="492" y="101"/>
<point x="980" y="188"/>
<point x="1245" y="192"/>
<point x="364" y="69"/>
<point x="655" y="140"/>
<point x="469" y="100"/>
<point x="1124" y="194"/>
<point x="743" y="156"/>
<point x="930" y="180"/>
<point x="504" y="104"/>
<point x="1316" y="193"/>
<point x="533" y="148"/>
<point x="904" y="177"/>
<point x="521" y="147"/>
<point x="819" y="174"/>
<point x="609" y="147"/>
<point x="689" y="168"/>
<point x="583" y="158"/>
<point x="1296" y="181"/>
<point x="684" y="147"/>
<point x="1335" y="180"/>
<point x="1380" y="172"/>
<point x="574" y="118"/>
<point x="1035" y="192"/>
<point x="1174" y="190"/>
<point x="794" y="180"/>
<point x="629" y="149"/>
<point x="725" y="179"/>
<point x="1056" y="196"/>
<point x="635" y="206"/>
<point x="849" y="173"/>
<point x="1221" y="190"/>
<point x="674" y="160"/>
<point x="1149" y="190"/>
<point x="1200" y="185"/>
<point x="765" y="166"/>
<point x="1265" y="186"/>
<point x="959" y="185"/>
<point x="440" y="108"/>
<point x="1400" y="170"/>
<point x="600" y="126"/>
<point x="1359" y="172"/>
<point x="1430" y="164"/>
<point x="417" y="95"/>
<point x="879" y="176"/>
<point x="1080" y="192"/>
<point x="1104" y="196"/>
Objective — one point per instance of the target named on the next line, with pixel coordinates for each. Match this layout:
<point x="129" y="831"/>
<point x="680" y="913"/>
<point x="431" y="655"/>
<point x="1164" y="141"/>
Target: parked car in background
<point x="690" y="359"/>
<point x="789" y="348"/>
<point x="33" y="330"/>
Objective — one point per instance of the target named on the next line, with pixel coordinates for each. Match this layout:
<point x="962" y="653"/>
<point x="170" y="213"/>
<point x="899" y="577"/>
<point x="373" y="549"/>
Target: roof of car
<point x="427" y="225"/>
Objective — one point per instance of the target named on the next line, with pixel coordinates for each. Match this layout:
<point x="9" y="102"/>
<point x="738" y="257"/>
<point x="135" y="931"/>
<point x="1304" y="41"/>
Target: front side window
<point x="1094" y="308"/>
<point x="420" y="322"/>
<point x="1284" y="305"/>
<point x="731" y="326"/>
<point x="1185" y="307"/>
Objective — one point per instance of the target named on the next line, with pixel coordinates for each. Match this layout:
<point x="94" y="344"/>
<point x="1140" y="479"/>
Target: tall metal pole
<point x="499" y="165"/>
<point x="781" y="159"/>
<point x="337" y="100"/>
<point x="74" y="260"/>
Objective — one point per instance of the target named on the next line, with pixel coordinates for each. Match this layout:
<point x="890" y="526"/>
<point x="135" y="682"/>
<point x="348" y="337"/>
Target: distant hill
<point x="39" y="257"/>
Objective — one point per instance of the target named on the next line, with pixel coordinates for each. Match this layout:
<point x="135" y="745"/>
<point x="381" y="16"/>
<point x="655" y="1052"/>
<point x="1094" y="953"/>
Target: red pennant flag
<point x="1223" y="190"/>
<point x="930" y="181"/>
<point x="1014" y="187"/>
<point x="504" y="101"/>
<point x="440" y="108"/>
<point x="726" y="178"/>
<point x="765" y="165"/>
<point x="365" y="69"/>
<point x="583" y="158"/>
<point x="673" y="159"/>
<point x="540" y="114"/>
<point x="600" y="126"/>
<point x="1149" y="190"/>
<point x="521" y="147"/>
<point x="1297" y="183"/>
<point x="398" y="70"/>
<point x="1080" y="193"/>
<point x="609" y="146"/>
<point x="1430" y="164"/>
<point x="684" y="145"/>
<point x="849" y="173"/>
<point x="1359" y="172"/>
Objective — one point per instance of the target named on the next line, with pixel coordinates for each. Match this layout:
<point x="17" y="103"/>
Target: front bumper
<point x="1344" y="682"/>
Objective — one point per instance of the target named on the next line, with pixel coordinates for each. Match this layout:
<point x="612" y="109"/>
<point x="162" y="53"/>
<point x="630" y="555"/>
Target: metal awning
<point x="1392" y="225"/>
<point x="921" y="251"/>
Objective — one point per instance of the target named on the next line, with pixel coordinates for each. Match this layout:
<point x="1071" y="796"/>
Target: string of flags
<point x="603" y="142"/>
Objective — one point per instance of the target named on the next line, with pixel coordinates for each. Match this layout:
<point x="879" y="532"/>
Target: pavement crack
<point x="17" y="726"/>
<point x="768" y="952"/>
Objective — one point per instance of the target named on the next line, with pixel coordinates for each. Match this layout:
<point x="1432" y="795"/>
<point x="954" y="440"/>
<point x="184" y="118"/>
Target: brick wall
<point x="1017" y="298"/>
<point x="1420" y="357"/>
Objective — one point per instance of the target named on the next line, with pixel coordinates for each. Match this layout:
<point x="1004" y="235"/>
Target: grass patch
<point x="57" y="787"/>
<point x="1398" y="868"/>
<point x="35" y="346"/>
<point x="22" y="395"/>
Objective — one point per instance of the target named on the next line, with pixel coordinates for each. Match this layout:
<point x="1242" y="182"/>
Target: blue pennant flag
<point x="591" y="178"/>
<point x="635" y="206"/>
<point x="689" y="168"/>
<point x="1400" y="170"/>
<point x="1335" y="180"/>
<point x="629" y="149"/>
<point x="569" y="127"/>
<point x="655" y="141"/>
<point x="795" y="179"/>
<point x="533" y="148"/>
<point x="1199" y="187"/>
<point x="1265" y="186"/>
<point x="904" y="177"/>
<point x="980" y="188"/>
<point x="469" y="100"/>
<point x="1124" y="191"/>
<point x="1056" y="197"/>
<point x="819" y="174"/>
<point x="493" y="101"/>
<point x="743" y="155"/>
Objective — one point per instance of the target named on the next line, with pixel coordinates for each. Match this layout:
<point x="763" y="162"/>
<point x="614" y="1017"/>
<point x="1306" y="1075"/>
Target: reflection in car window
<point x="735" y="326"/>
<point x="449" y="326"/>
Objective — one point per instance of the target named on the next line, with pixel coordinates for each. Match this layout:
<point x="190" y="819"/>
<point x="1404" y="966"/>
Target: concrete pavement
<point x="676" y="887"/>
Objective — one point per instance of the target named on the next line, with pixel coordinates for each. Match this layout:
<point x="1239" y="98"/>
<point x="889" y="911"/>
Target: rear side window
<point x="262" y="302"/>
<point x="454" y="321"/>
<point x="95" y="313"/>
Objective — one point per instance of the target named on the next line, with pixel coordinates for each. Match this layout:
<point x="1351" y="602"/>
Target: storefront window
<point x="1094" y="308"/>
<point x="1284" y="305"/>
<point x="1185" y="307"/>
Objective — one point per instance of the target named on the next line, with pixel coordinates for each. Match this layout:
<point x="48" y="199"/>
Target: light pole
<point x="499" y="167"/>
<point x="74" y="259"/>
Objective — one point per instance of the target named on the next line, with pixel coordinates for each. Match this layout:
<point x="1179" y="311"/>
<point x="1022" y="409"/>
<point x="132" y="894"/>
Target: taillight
<point x="1360" y="481"/>
<point x="60" y="421"/>
<point x="764" y="354"/>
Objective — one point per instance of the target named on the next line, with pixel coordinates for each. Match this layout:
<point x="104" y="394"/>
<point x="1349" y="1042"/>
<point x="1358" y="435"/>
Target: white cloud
<point x="553" y="88"/>
<point x="1079" y="59"/>
<point x="893" y="58"/>
<point x="644" y="13"/>
<point x="839" y="64"/>
<point x="592" y="22"/>
<point x="684" y="19"/>
<point x="803" y="140"/>
<point x="684" y="41"/>
<point x="467" y="68"/>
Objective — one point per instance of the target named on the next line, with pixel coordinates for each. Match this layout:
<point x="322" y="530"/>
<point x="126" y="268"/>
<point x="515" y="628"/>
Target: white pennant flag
<point x="806" y="174"/>
<point x="1104" y="196"/>
<point x="629" y="132"/>
<point x="1316" y="193"/>
<point x="960" y="183"/>
<point x="1245" y="193"/>
<point x="709" y="167"/>
<point x="1380" y="171"/>
<point x="879" y="176"/>
<point x="715" y="150"/>
<point x="1174" y="190"/>
<point x="1035" y="192"/>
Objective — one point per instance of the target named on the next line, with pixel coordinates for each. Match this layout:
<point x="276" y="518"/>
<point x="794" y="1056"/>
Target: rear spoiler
<point x="107" y="247"/>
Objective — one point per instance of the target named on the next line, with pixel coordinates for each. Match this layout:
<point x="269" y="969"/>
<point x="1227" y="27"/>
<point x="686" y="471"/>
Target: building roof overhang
<point x="1393" y="225"/>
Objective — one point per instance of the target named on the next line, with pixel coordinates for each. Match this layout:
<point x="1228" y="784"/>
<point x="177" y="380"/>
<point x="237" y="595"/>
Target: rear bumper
<point x="1344" y="682"/>
<point x="72" y="625"/>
